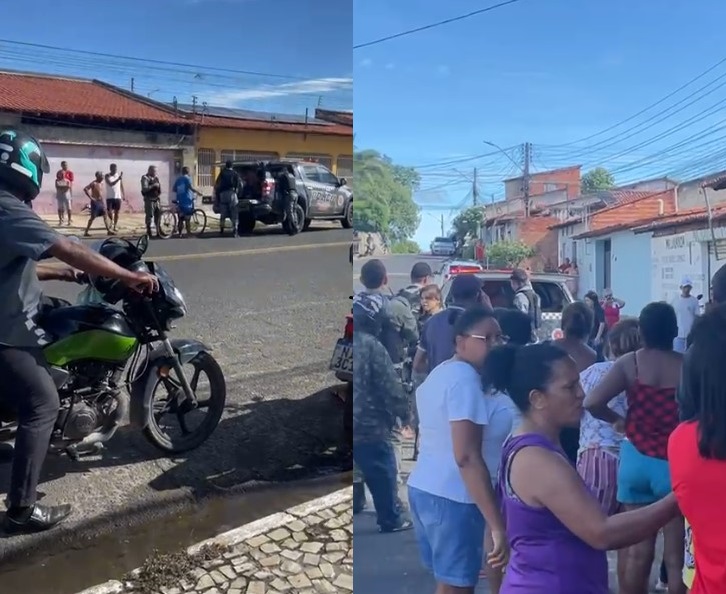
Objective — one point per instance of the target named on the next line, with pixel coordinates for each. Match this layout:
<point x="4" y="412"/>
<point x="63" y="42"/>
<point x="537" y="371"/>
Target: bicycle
<point x="168" y="225"/>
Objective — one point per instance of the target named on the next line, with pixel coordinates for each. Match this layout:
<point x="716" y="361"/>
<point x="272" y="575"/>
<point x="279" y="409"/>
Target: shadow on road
<point x="262" y="441"/>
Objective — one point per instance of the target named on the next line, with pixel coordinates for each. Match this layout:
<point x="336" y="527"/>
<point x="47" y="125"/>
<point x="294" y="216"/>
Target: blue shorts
<point x="642" y="479"/>
<point x="450" y="537"/>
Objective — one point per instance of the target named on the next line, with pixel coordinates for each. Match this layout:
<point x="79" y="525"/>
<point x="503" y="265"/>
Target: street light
<point x="505" y="153"/>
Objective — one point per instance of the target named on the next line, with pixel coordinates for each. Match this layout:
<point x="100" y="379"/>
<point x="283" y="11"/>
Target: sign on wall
<point x="675" y="257"/>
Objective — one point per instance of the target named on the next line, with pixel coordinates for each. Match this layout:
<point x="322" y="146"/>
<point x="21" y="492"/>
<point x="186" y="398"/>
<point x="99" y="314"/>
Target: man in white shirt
<point x="686" y="306"/>
<point x="114" y="193"/>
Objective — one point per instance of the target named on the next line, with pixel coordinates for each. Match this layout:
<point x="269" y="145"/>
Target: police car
<point x="552" y="289"/>
<point x="451" y="268"/>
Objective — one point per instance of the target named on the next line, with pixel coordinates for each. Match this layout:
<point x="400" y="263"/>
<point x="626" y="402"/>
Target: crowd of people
<point x="106" y="195"/>
<point x="536" y="458"/>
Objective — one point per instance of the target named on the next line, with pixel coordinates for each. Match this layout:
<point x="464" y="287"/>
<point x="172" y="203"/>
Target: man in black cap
<point x="526" y="299"/>
<point x="436" y="344"/>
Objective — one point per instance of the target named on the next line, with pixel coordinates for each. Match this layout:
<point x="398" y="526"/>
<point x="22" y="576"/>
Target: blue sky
<point x="545" y="71"/>
<point x="305" y="45"/>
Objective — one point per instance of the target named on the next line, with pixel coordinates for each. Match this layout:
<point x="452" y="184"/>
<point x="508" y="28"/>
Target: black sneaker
<point x="402" y="526"/>
<point x="41" y="518"/>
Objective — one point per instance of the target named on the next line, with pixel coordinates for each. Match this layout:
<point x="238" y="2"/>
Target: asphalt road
<point x="398" y="268"/>
<point x="271" y="307"/>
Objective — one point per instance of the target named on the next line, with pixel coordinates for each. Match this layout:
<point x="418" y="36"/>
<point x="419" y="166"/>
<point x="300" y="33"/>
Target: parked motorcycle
<point x="111" y="364"/>
<point x="341" y="363"/>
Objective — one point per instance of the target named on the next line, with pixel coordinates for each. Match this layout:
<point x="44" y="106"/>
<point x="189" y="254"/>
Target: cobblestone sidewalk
<point x="308" y="549"/>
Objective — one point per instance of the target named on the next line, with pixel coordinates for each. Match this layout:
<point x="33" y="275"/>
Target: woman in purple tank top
<point x="557" y="531"/>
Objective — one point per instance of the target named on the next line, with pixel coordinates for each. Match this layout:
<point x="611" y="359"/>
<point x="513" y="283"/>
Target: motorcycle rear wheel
<point x="190" y="440"/>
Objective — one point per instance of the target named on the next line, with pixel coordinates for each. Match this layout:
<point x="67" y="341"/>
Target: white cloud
<point x="366" y="62"/>
<point x="317" y="86"/>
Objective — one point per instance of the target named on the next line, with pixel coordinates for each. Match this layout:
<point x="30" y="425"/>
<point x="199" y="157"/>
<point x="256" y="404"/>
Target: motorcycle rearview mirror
<point x="143" y="244"/>
<point x="699" y="297"/>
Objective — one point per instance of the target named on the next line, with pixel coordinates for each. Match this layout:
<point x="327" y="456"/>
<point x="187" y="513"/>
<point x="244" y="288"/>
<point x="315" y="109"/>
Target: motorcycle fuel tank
<point x="83" y="332"/>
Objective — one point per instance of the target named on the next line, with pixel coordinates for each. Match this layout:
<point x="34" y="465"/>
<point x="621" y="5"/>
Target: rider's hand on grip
<point x="143" y="282"/>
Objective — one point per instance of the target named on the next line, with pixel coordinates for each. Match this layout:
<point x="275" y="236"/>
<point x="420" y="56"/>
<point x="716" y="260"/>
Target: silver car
<point x="443" y="246"/>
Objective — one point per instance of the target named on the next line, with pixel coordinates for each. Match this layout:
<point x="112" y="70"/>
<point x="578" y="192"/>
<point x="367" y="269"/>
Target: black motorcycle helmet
<point x="22" y="164"/>
<point x="123" y="253"/>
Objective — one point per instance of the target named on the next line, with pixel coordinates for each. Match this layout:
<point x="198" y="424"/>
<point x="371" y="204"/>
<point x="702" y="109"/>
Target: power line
<point x="150" y="60"/>
<point x="434" y="25"/>
<point x="652" y="105"/>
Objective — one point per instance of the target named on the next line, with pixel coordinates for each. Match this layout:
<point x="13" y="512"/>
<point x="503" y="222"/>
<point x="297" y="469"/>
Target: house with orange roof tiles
<point x="91" y="124"/>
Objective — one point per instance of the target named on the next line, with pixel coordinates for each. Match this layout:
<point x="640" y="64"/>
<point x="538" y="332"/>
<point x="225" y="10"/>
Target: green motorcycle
<point x="114" y="364"/>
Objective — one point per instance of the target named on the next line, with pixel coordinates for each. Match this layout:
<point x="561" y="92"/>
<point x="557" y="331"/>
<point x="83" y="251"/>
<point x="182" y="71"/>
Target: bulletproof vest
<point x="535" y="309"/>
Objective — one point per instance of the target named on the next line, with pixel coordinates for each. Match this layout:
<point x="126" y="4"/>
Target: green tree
<point x="407" y="246"/>
<point x="508" y="254"/>
<point x="468" y="223"/>
<point x="384" y="196"/>
<point x="597" y="179"/>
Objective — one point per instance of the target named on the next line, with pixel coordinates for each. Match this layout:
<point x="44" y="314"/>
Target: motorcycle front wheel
<point x="168" y="402"/>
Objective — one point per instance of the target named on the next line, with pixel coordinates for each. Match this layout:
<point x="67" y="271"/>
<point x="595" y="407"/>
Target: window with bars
<point x="205" y="167"/>
<point x="245" y="155"/>
<point x="344" y="167"/>
<point x="324" y="160"/>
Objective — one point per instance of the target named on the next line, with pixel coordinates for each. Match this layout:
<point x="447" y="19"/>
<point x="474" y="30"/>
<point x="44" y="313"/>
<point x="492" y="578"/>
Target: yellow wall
<point x="282" y="143"/>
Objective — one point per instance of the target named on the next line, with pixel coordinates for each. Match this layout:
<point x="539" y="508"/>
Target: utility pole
<point x="525" y="176"/>
<point x="475" y="189"/>
<point x="442" y="226"/>
<point x="132" y="84"/>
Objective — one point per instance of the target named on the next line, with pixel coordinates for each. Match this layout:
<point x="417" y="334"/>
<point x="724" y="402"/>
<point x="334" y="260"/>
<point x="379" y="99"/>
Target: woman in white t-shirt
<point x="450" y="488"/>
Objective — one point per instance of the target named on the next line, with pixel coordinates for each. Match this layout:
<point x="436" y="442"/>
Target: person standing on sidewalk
<point x="68" y="174"/>
<point x="611" y="307"/>
<point x="437" y="343"/>
<point x="98" y="209"/>
<point x="687" y="309"/>
<point x="151" y="191"/>
<point x="114" y="193"/>
<point x="526" y="299"/>
<point x="379" y="404"/>
<point x="227" y="189"/>
<point x="63" y="198"/>
<point x="557" y="530"/>
<point x="451" y="487"/>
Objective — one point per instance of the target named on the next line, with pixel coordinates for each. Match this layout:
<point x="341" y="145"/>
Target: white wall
<point x="674" y="257"/>
<point x="630" y="270"/>
<point x="585" y="266"/>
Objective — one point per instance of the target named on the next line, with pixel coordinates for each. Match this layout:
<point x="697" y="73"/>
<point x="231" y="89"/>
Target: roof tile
<point x="61" y="96"/>
<point x="692" y="215"/>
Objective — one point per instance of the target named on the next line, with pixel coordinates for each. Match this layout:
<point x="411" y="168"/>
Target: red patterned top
<point x="651" y="418"/>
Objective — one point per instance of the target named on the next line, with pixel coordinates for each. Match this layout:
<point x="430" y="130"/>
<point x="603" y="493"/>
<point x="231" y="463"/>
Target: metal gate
<point x="205" y="170"/>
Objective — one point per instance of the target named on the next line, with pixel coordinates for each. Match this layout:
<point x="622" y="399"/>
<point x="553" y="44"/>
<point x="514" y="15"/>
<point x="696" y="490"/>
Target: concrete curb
<point x="243" y="533"/>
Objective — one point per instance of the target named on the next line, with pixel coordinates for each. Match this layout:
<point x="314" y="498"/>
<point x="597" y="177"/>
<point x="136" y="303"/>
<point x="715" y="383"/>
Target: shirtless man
<point x="94" y="191"/>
